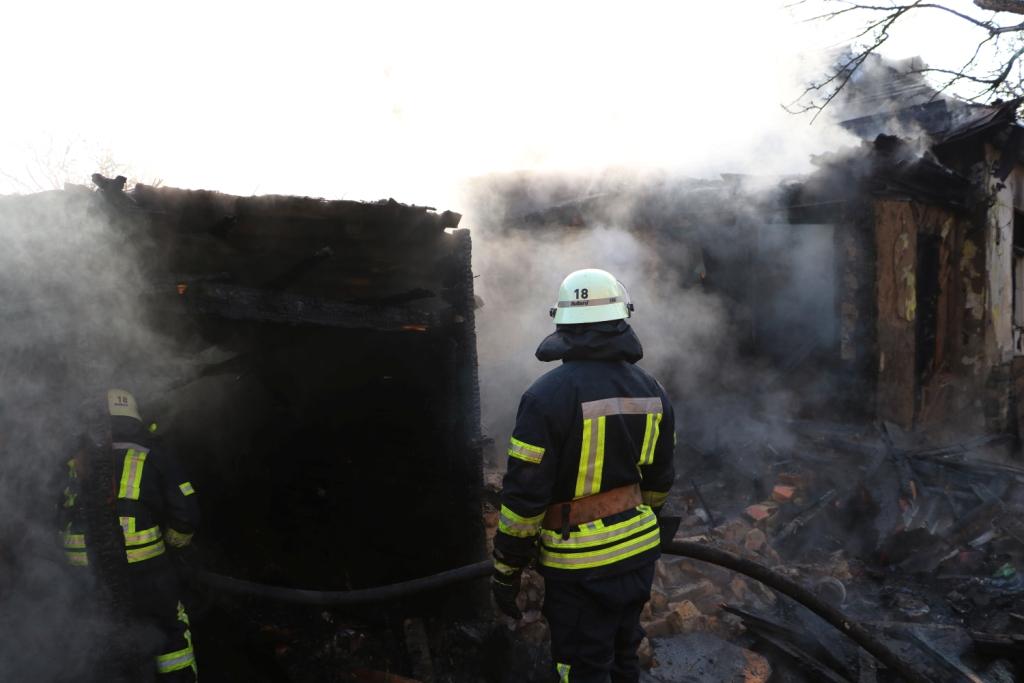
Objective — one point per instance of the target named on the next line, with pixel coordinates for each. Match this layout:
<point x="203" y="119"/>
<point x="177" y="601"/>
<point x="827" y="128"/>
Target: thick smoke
<point x="71" y="273"/>
<point x="693" y="336"/>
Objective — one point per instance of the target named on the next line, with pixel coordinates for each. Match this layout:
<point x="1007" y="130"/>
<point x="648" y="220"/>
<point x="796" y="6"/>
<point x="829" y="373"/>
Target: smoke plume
<point x="71" y="275"/>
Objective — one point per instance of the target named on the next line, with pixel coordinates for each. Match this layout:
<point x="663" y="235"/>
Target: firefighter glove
<point x="505" y="589"/>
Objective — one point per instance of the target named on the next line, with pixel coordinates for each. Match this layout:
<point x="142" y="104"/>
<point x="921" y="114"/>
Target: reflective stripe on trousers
<point x="179" y="659"/>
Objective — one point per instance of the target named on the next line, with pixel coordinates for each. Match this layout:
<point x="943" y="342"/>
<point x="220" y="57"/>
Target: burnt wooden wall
<point x="929" y="336"/>
<point x="896" y="249"/>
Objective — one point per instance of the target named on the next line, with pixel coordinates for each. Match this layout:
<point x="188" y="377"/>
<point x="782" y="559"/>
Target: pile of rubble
<point x="920" y="543"/>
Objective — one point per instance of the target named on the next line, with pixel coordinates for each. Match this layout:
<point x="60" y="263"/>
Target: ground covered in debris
<point x="919" y="541"/>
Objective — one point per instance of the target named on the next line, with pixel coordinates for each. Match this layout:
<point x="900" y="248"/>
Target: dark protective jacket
<point x="156" y="504"/>
<point x="597" y="422"/>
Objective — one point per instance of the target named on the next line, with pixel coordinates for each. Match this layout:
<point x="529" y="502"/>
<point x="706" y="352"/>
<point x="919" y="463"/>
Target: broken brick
<point x="646" y="654"/>
<point x="760" y="511"/>
<point x="755" y="540"/>
<point x="733" y="531"/>
<point x="689" y="570"/>
<point x="684" y="609"/>
<point x="658" y="602"/>
<point x="783" y="494"/>
<point x="659" y="628"/>
<point x="739" y="588"/>
<point x="646" y="614"/>
<point x="757" y="669"/>
<point x="694" y="591"/>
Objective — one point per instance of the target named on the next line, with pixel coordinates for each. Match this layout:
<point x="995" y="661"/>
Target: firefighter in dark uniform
<point x="157" y="508"/>
<point x="590" y="465"/>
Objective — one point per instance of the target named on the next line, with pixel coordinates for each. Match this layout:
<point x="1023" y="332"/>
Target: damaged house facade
<point x="928" y="257"/>
<point x="888" y="284"/>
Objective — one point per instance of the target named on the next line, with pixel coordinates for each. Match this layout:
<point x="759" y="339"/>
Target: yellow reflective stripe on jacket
<point x="142" y="547"/>
<point x="146" y="552"/>
<point x="74" y="541"/>
<point x="516" y="525"/>
<point x="131" y="474"/>
<point x="77" y="558"/>
<point x="525" y="451"/>
<point x="563" y="672"/>
<point x="588" y="479"/>
<point x="175" y="661"/>
<point x="597" y="534"/>
<point x="142" y="537"/>
<point x="186" y="488"/>
<point x="655" y="499"/>
<point x="651" y="432"/>
<point x="621" y="405"/>
<point x="69" y="493"/>
<point x="600" y="558"/>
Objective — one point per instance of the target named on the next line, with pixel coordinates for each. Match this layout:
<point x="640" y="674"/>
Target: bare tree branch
<point x="845" y="71"/>
<point x="989" y="26"/>
<point x="1006" y="78"/>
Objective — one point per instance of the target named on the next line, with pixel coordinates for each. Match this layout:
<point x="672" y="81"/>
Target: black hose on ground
<point x="365" y="596"/>
<point x="696" y="551"/>
<point x="772" y="579"/>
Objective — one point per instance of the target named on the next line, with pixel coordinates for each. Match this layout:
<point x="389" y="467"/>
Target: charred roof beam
<point x="235" y="302"/>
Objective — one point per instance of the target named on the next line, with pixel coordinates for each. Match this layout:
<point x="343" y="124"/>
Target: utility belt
<point x="562" y="516"/>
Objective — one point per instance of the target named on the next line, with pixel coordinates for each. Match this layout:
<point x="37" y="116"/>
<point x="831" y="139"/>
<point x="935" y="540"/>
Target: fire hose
<point x="697" y="551"/>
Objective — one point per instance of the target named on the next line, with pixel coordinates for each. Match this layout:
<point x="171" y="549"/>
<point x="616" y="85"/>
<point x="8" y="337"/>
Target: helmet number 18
<point x="582" y="293"/>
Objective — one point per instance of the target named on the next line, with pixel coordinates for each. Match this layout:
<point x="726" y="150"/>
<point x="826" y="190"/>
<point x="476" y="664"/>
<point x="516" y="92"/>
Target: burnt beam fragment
<point x="853" y="629"/>
<point x="235" y="302"/>
<point x="804" y="518"/>
<point x="955" y="669"/>
<point x="297" y="270"/>
<point x="801" y="647"/>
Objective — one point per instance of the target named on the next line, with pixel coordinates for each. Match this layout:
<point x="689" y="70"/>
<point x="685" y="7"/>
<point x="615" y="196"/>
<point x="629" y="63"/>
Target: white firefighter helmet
<point x="591" y="295"/>
<point x="121" y="403"/>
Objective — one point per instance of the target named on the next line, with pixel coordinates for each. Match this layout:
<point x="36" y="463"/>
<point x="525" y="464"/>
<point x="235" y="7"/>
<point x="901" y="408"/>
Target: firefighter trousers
<point x="595" y="625"/>
<point x="161" y="614"/>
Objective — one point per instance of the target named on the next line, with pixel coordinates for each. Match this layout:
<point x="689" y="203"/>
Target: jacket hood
<point x="126" y="429"/>
<point x="613" y="340"/>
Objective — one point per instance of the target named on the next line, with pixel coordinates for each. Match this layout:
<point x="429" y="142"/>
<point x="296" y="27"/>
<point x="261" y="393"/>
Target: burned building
<point x="927" y="210"/>
<point x="312" y="363"/>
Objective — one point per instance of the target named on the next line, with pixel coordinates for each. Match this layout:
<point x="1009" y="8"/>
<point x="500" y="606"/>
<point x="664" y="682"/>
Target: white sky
<point x="369" y="100"/>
